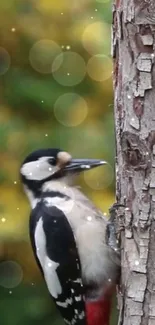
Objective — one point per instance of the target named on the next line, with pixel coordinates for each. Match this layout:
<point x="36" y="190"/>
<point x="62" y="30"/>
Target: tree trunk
<point x="134" y="84"/>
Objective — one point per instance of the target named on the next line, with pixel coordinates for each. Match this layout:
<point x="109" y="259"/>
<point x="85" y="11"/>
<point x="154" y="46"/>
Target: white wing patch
<point x="49" y="266"/>
<point x="65" y="304"/>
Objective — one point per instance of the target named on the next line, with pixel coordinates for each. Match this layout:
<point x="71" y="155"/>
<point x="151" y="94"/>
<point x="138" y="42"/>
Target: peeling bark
<point x="134" y="84"/>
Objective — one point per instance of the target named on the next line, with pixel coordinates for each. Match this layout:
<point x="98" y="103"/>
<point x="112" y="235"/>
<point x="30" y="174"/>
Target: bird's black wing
<point x="61" y="265"/>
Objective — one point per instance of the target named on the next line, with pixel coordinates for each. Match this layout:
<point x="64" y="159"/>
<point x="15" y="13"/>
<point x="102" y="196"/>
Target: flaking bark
<point x="134" y="86"/>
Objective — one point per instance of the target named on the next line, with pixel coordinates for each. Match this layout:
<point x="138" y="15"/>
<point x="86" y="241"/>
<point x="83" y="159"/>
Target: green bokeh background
<point x="33" y="115"/>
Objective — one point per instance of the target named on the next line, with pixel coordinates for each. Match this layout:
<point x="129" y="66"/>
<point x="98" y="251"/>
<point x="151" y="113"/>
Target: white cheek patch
<point x="38" y="169"/>
<point x="49" y="267"/>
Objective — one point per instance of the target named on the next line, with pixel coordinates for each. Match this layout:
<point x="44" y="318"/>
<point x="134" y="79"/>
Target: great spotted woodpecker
<point x="69" y="237"/>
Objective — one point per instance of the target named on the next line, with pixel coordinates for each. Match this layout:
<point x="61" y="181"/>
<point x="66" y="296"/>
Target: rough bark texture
<point x="134" y="85"/>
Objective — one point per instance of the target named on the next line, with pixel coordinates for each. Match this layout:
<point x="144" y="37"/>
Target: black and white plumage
<point x="55" y="250"/>
<point x="68" y="234"/>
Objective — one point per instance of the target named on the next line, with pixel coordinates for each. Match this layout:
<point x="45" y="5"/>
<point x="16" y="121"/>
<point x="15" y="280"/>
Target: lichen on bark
<point x="134" y="88"/>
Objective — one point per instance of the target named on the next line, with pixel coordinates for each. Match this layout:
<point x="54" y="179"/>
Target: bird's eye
<point x="52" y="161"/>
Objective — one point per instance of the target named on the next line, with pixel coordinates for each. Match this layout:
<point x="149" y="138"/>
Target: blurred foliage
<point x="56" y="91"/>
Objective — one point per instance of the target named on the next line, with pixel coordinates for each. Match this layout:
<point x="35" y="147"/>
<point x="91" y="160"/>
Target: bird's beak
<point x="78" y="165"/>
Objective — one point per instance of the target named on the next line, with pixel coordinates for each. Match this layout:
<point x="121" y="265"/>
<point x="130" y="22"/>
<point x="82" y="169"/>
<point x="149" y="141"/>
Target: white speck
<point x="68" y="74"/>
<point x="136" y="262"/>
<point x="50" y="169"/>
<point x="129" y="96"/>
<point x="46" y="135"/>
<point x="109" y="280"/>
<point x="62" y="13"/>
<point x="17" y="208"/>
<point x="49" y="264"/>
<point x="55" y="221"/>
<point x="152" y="55"/>
<point x="10" y="292"/>
<point x="42" y="101"/>
<point x="15" y="182"/>
<point x="73" y="322"/>
<point x="76" y="311"/>
<point x="85" y="166"/>
<point x="3" y="219"/>
<point x="78" y="298"/>
<point x="37" y="165"/>
<point x="89" y="218"/>
<point x="82" y="315"/>
<point x="32" y="284"/>
<point x="92" y="17"/>
<point x="105" y="214"/>
<point x="13" y="29"/>
<point x="77" y="281"/>
<point x="68" y="47"/>
<point x="95" y="9"/>
<point x="147" y="153"/>
<point x="115" y="249"/>
<point x="72" y="290"/>
<point x="67" y="321"/>
<point x="30" y="174"/>
<point x="62" y="46"/>
<point x="134" y="122"/>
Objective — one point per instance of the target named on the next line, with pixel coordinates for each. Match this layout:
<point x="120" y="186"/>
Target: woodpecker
<point x="69" y="237"/>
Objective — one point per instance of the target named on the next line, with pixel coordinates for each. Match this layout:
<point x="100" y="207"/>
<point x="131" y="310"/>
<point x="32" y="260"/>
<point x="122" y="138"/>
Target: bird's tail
<point x="98" y="311"/>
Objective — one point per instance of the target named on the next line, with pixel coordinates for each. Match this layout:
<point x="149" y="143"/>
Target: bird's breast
<point x="89" y="230"/>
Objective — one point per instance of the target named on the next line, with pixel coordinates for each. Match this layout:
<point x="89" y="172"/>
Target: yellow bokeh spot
<point x="70" y="109"/>
<point x="99" y="67"/>
<point x="69" y="68"/>
<point x="103" y="200"/>
<point x="99" y="178"/>
<point x="48" y="6"/>
<point x="42" y="55"/>
<point x="96" y="38"/>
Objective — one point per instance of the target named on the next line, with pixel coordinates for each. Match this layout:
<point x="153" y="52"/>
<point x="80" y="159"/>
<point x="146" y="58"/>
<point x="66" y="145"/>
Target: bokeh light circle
<point x="99" y="67"/>
<point x="42" y="55"/>
<point x="11" y="274"/>
<point x="99" y="178"/>
<point x="4" y="61"/>
<point x="69" y="68"/>
<point x="70" y="109"/>
<point x="95" y="38"/>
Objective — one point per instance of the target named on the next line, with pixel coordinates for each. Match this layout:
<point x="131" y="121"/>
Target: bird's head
<point x="47" y="165"/>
